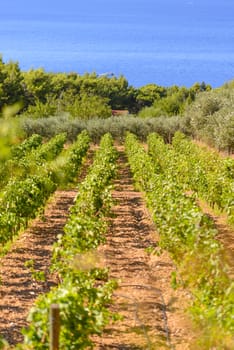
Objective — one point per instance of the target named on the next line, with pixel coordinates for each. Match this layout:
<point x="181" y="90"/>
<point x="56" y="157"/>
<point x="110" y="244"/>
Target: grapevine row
<point x="84" y="292"/>
<point x="189" y="236"/>
<point x="29" y="156"/>
<point x="18" y="152"/>
<point x="22" y="199"/>
<point x="199" y="170"/>
<point x="21" y="150"/>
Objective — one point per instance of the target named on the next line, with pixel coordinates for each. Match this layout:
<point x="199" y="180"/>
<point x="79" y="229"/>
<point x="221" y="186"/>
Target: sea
<point x="165" y="42"/>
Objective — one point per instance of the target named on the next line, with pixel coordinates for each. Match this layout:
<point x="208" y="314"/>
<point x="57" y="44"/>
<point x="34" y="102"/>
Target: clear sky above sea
<point x="165" y="42"/>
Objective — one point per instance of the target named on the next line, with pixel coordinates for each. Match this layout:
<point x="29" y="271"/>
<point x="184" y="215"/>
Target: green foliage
<point x="42" y="110"/>
<point x="38" y="85"/>
<point x="187" y="234"/>
<point x="93" y="202"/>
<point x="207" y="114"/>
<point x="11" y="84"/>
<point x="170" y="105"/>
<point x="20" y="201"/>
<point x="116" y="126"/>
<point x="205" y="173"/>
<point x="89" y="107"/>
<point x="50" y="149"/>
<point x="83" y="295"/>
<point x="28" y="156"/>
<point x="150" y="112"/>
<point x="148" y="94"/>
<point x="66" y="168"/>
<point x="65" y="90"/>
<point x="19" y="151"/>
<point x="211" y="117"/>
<point x="10" y="134"/>
<point x="83" y="313"/>
<point x="168" y="102"/>
<point x="3" y="344"/>
<point x="51" y="126"/>
<point x="36" y="178"/>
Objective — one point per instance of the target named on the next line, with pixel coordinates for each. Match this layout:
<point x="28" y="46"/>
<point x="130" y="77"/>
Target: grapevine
<point x="22" y="199"/>
<point x="82" y="301"/>
<point x="189" y="236"/>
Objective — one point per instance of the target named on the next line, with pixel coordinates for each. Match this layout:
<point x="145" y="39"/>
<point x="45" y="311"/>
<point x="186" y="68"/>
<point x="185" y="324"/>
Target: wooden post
<point x="54" y="327"/>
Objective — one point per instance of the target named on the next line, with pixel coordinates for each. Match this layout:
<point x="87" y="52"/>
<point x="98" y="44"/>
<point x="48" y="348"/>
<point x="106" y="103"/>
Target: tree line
<point x="42" y="94"/>
<point x="70" y="98"/>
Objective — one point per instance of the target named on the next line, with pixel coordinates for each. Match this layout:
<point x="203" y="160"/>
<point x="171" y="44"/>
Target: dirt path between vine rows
<point x="153" y="313"/>
<point x="225" y="235"/>
<point x="18" y="290"/>
<point x="18" y="287"/>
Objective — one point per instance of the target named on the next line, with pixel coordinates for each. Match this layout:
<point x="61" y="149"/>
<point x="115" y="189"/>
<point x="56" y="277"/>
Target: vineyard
<point x="116" y="235"/>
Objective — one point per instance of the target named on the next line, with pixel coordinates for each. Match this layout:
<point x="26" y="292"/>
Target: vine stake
<point x="54" y="327"/>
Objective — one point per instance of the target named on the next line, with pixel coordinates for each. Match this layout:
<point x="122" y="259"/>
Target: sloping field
<point x="152" y="315"/>
<point x="153" y="312"/>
